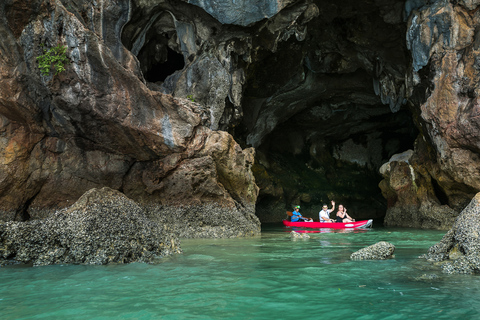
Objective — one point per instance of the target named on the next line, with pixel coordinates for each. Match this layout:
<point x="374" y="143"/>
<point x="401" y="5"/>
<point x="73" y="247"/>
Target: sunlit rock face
<point x="97" y="124"/>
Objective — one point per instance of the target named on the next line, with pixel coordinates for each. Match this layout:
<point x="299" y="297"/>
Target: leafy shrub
<point x="55" y="58"/>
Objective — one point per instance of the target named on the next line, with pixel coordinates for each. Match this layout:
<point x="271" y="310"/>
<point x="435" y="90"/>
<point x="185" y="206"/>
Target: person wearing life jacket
<point x="297" y="216"/>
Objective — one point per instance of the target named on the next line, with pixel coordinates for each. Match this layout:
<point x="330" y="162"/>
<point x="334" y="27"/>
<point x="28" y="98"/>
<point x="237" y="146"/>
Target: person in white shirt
<point x="324" y="214"/>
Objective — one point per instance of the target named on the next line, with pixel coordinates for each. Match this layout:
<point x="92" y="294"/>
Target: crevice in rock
<point x="166" y="62"/>
<point x="439" y="193"/>
<point x="22" y="213"/>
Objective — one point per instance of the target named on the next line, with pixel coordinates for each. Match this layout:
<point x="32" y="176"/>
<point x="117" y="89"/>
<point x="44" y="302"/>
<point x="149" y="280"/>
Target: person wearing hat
<point x="324" y="214"/>
<point x="297" y="216"/>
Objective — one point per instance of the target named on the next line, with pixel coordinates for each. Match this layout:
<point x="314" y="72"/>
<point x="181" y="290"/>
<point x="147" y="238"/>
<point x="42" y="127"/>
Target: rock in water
<point x="103" y="226"/>
<point x="459" y="249"/>
<point x="378" y="251"/>
<point x="296" y="235"/>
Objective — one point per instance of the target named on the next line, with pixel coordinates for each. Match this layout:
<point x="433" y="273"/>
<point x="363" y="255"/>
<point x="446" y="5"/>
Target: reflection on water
<point x="267" y="277"/>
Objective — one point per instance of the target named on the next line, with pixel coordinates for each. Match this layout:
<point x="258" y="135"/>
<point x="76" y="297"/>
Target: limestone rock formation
<point x="443" y="88"/>
<point x="411" y="195"/>
<point x="98" y="124"/>
<point x="102" y="227"/>
<point x="459" y="249"/>
<point x="378" y="251"/>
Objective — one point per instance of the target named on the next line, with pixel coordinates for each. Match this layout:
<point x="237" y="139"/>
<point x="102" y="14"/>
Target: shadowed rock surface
<point x="379" y="251"/>
<point x="102" y="227"/>
<point x="459" y="249"/>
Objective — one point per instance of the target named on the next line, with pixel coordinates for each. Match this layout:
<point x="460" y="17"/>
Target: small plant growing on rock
<point x="55" y="58"/>
<point x="190" y="97"/>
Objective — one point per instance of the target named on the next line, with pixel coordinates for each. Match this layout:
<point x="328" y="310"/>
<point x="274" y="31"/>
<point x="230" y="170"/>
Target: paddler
<point x="297" y="216"/>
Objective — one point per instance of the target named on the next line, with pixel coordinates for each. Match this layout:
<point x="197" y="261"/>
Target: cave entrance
<point x="155" y="43"/>
<point x="324" y="114"/>
<point x="165" y="65"/>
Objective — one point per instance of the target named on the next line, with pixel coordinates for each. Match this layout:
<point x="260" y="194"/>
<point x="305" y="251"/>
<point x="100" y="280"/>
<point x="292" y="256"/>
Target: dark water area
<point x="267" y="277"/>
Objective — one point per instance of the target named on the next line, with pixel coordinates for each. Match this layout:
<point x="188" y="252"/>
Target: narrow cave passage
<point x="160" y="70"/>
<point x="154" y="41"/>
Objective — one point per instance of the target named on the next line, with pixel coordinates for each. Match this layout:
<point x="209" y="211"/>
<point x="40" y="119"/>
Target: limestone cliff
<point x="443" y="173"/>
<point x="97" y="124"/>
<point x="163" y="100"/>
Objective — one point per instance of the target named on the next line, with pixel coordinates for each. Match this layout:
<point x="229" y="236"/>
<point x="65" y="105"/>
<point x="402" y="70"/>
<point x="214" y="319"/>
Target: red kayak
<point x="332" y="225"/>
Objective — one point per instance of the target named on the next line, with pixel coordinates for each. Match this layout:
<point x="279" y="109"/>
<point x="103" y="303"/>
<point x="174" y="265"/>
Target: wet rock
<point x="297" y="235"/>
<point x="459" y="249"/>
<point x="427" y="277"/>
<point x="413" y="198"/>
<point x="102" y="227"/>
<point x="378" y="251"/>
<point x="205" y="221"/>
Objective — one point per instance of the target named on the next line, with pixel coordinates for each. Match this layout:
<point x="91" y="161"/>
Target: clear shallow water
<point x="269" y="277"/>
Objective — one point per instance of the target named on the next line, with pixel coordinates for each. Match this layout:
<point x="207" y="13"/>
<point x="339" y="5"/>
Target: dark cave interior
<point x="159" y="71"/>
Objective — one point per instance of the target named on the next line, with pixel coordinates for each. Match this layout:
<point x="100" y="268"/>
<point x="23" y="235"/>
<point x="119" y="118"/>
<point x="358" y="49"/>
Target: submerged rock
<point x="427" y="277"/>
<point x="459" y="249"/>
<point x="103" y="226"/>
<point x="378" y="251"/>
<point x="296" y="235"/>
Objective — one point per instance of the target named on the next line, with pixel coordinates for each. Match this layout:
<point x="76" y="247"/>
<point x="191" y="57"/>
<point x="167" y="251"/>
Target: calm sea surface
<point x="269" y="277"/>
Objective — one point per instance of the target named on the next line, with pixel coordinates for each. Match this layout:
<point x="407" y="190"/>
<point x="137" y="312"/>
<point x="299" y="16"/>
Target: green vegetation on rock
<point x="54" y="58"/>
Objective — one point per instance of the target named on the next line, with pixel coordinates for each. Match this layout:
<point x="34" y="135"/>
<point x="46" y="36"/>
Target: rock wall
<point x="443" y="172"/>
<point x="458" y="251"/>
<point x="97" y="124"/>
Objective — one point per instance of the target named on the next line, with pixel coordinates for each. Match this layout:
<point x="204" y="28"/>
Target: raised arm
<point x="346" y="214"/>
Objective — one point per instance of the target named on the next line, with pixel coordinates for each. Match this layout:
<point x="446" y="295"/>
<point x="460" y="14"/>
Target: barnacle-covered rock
<point x="102" y="227"/>
<point x="459" y="249"/>
<point x="378" y="251"/>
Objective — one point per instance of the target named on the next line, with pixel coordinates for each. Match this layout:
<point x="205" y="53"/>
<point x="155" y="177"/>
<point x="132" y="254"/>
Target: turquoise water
<point x="269" y="277"/>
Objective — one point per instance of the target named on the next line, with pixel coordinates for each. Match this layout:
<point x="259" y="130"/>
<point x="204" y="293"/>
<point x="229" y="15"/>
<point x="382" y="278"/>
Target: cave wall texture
<point x="188" y="105"/>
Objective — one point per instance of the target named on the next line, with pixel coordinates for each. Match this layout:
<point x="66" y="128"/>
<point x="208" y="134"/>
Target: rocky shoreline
<point x="102" y="227"/>
<point x="459" y="249"/>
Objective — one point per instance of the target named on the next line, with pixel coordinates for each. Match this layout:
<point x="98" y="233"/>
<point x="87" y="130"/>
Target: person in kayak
<point x="324" y="214"/>
<point x="297" y="216"/>
<point x="342" y="215"/>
